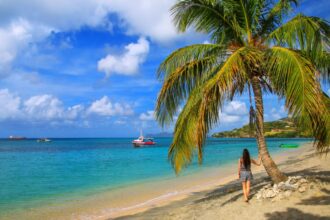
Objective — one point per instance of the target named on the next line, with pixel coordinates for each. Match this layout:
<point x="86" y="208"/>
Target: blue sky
<point x="88" y="68"/>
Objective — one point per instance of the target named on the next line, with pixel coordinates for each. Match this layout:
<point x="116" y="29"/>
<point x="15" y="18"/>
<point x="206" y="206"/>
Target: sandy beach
<point x="212" y="194"/>
<point x="225" y="201"/>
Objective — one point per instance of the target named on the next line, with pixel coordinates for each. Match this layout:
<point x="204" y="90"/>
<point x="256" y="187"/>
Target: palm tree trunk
<point x="271" y="168"/>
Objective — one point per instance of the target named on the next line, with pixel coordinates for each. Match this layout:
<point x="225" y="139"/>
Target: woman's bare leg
<point x="244" y="190"/>
<point x="248" y="183"/>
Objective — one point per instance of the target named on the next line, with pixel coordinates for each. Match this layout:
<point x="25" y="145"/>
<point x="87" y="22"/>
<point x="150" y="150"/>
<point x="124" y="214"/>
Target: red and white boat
<point x="141" y="141"/>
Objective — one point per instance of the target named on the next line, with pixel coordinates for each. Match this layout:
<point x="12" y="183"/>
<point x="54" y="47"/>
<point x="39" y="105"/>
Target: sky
<point x="87" y="68"/>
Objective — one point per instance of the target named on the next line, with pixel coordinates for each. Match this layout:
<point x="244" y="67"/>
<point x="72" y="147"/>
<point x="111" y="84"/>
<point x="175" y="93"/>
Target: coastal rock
<point x="276" y="189"/>
<point x="291" y="181"/>
<point x="270" y="194"/>
<point x="259" y="196"/>
<point x="284" y="189"/>
<point x="280" y="185"/>
<point x="281" y="196"/>
<point x="301" y="181"/>
<point x="287" y="193"/>
<point x="288" y="186"/>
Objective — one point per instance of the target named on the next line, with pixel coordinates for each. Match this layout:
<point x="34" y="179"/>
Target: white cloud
<point x="14" y="37"/>
<point x="226" y="118"/>
<point x="105" y="107"/>
<point x="60" y="15"/>
<point x="127" y="63"/>
<point x="236" y="108"/>
<point x="44" y="107"/>
<point x="10" y="104"/>
<point x="47" y="108"/>
<point x="120" y="122"/>
<point x="148" y="116"/>
<point x="276" y="113"/>
<point x="25" y="22"/>
<point x="234" y="111"/>
<point x="146" y="17"/>
<point x="36" y="108"/>
<point x="75" y="111"/>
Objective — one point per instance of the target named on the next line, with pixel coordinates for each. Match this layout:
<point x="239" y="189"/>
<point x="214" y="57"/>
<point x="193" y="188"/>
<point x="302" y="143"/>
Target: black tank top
<point x="243" y="168"/>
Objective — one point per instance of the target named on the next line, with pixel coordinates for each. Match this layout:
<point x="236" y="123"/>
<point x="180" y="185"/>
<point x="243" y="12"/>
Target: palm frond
<point x="273" y="14"/>
<point x="208" y="114"/>
<point x="234" y="73"/>
<point x="308" y="34"/>
<point x="201" y="111"/>
<point x="207" y="16"/>
<point x="322" y="62"/>
<point x="184" y="142"/>
<point x="295" y="78"/>
<point x="186" y="55"/>
<point x="249" y="12"/>
<point x="181" y="72"/>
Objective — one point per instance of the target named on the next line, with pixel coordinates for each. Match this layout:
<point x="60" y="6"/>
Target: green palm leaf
<point x="207" y="16"/>
<point x="308" y="34"/>
<point x="184" y="141"/>
<point x="294" y="77"/>
<point x="201" y="111"/>
<point x="181" y="72"/>
<point x="273" y="14"/>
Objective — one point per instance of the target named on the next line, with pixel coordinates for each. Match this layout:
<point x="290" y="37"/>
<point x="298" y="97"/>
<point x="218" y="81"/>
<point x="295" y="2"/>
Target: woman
<point x="244" y="172"/>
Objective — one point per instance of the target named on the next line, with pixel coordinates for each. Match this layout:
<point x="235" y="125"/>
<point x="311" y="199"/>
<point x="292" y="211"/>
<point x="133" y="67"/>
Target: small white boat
<point x="43" y="140"/>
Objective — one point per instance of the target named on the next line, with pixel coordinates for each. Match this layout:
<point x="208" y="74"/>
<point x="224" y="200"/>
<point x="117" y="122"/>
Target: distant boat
<point x="16" y="138"/>
<point x="142" y="141"/>
<point x="289" y="145"/>
<point x="43" y="140"/>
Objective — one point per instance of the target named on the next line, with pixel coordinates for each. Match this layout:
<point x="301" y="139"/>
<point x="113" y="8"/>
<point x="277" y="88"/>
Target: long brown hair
<point x="246" y="158"/>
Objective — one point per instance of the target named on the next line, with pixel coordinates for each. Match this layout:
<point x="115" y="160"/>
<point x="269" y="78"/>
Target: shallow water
<point x="35" y="173"/>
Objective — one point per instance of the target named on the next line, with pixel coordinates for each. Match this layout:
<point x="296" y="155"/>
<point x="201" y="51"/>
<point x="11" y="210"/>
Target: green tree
<point x="257" y="46"/>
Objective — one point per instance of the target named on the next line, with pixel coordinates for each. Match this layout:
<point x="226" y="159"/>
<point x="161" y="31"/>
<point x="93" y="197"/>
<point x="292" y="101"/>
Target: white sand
<point x="226" y="202"/>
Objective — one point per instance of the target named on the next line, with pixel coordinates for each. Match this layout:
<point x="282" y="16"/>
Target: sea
<point x="34" y="173"/>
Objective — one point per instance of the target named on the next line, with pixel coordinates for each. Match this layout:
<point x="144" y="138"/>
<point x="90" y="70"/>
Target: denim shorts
<point x="245" y="176"/>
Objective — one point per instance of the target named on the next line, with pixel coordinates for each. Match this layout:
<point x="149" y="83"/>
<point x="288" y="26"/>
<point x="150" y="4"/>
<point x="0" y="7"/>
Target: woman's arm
<point x="239" y="168"/>
<point x="258" y="163"/>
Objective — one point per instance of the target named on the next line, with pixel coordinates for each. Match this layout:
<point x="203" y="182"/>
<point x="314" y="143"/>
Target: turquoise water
<point x="33" y="172"/>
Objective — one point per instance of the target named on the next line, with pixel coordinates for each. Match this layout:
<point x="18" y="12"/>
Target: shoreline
<point x="219" y="181"/>
<point x="138" y="198"/>
<point x="226" y="199"/>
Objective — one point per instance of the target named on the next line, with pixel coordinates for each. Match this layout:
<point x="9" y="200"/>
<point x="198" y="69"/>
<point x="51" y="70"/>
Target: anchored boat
<point x="16" y="138"/>
<point x="289" y="145"/>
<point x="141" y="141"/>
<point x="43" y="140"/>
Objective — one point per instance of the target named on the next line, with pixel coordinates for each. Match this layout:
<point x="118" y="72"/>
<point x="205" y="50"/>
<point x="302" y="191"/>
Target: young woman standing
<point x="244" y="172"/>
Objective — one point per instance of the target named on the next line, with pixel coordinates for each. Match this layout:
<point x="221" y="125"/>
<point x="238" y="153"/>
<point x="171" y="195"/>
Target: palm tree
<point x="255" y="47"/>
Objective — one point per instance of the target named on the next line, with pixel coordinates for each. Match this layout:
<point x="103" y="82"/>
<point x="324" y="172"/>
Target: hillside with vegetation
<point x="283" y="128"/>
